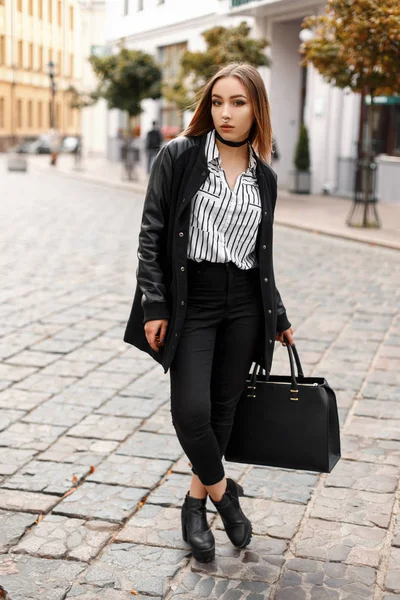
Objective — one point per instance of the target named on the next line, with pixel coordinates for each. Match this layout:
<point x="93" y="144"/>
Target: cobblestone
<point x="47" y="477"/>
<point x="130" y="471"/>
<point x="142" y="568"/>
<point x="60" y="537"/>
<point x="26" y="577"/>
<point x="305" y="579"/>
<point x="12" y="527"/>
<point x="107" y="502"/>
<point x="76" y="401"/>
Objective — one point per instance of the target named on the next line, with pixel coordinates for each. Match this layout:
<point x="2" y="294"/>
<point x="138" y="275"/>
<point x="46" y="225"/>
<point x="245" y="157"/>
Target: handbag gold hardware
<point x="296" y="399"/>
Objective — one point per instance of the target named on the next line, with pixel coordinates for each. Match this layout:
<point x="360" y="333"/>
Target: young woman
<point x="206" y="305"/>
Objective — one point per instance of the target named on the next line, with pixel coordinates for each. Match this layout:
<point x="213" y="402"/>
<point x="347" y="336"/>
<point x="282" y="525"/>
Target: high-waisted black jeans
<point x="224" y="320"/>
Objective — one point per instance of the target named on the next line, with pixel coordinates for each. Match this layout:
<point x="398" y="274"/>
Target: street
<point x="92" y="476"/>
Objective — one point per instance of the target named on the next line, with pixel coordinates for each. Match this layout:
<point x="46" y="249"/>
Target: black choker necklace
<point x="228" y="143"/>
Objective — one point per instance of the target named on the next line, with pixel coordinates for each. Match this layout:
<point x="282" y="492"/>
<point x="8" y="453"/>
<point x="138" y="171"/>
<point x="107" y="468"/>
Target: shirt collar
<point x="213" y="155"/>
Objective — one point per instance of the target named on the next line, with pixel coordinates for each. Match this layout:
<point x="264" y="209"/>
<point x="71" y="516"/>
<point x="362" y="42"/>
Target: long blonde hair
<point x="261" y="131"/>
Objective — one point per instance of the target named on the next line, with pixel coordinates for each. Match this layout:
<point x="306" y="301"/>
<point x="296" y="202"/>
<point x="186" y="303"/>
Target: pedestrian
<point x="55" y="145"/>
<point x="154" y="139"/>
<point x="206" y="306"/>
<point x="275" y="155"/>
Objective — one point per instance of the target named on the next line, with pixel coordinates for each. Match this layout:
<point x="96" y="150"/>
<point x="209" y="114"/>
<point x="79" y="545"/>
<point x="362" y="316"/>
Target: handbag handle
<point x="292" y="352"/>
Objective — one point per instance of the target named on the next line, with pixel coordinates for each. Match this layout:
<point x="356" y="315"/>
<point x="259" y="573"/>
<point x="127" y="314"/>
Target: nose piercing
<point x="225" y="120"/>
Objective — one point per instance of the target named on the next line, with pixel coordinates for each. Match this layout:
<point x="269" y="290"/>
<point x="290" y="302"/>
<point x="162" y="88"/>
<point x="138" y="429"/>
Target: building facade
<point x="34" y="33"/>
<point x="335" y="119"/>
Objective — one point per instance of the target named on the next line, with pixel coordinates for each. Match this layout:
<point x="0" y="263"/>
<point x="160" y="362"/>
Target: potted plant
<point x="302" y="175"/>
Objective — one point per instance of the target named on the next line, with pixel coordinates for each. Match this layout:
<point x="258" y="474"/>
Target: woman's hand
<point x="155" y="332"/>
<point x="288" y="334"/>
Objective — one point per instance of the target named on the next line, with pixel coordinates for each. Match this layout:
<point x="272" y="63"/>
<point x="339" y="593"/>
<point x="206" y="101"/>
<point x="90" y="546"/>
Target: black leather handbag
<point x="290" y="422"/>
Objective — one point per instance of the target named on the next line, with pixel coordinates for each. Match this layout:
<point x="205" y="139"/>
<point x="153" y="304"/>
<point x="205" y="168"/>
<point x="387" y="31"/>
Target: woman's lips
<point x="226" y="127"/>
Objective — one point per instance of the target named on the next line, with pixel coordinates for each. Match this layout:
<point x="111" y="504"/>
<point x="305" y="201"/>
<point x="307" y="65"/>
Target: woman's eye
<point x="216" y="102"/>
<point x="239" y="102"/>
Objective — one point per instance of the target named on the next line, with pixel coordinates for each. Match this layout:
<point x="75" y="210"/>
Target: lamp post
<point x="51" y="66"/>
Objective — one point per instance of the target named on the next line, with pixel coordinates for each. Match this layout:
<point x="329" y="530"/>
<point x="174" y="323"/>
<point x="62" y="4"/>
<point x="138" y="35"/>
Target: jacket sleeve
<point x="283" y="322"/>
<point x="152" y="239"/>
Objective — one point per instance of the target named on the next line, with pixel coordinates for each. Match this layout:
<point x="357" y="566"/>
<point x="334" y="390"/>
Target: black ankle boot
<point x="237" y="526"/>
<point x="195" y="528"/>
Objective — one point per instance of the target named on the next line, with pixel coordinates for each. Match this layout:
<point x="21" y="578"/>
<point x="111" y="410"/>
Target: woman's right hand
<point x="156" y="332"/>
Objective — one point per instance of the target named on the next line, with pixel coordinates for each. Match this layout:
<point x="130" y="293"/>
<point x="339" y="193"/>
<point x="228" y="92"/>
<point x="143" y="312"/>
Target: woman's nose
<point x="226" y="113"/>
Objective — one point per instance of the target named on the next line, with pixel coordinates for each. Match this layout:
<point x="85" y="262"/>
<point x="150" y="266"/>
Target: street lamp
<point x="51" y="66"/>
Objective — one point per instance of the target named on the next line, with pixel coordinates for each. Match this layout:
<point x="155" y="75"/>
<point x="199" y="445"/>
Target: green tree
<point x="356" y="45"/>
<point x="127" y="78"/>
<point x="224" y="45"/>
<point x="302" y="154"/>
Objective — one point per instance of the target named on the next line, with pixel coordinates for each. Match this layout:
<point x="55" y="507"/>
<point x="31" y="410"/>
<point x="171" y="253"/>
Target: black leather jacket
<point x="178" y="172"/>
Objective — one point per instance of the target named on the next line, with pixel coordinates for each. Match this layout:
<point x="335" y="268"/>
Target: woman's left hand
<point x="285" y="335"/>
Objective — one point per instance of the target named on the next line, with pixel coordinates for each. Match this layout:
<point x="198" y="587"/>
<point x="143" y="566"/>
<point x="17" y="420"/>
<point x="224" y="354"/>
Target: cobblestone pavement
<point x="91" y="474"/>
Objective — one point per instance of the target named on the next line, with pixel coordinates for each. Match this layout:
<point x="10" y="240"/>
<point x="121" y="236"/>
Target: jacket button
<point x="203" y="174"/>
<point x="266" y="279"/>
<point x="181" y="234"/>
<point x="182" y="268"/>
<point x="265" y="213"/>
<point x="269" y="311"/>
<point x="183" y="303"/>
<point x="264" y="247"/>
<point x="184" y="200"/>
<point x="270" y="341"/>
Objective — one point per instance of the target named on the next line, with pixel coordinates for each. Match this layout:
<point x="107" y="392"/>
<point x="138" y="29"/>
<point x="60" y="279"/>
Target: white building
<point x="165" y="28"/>
<point x="93" y="118"/>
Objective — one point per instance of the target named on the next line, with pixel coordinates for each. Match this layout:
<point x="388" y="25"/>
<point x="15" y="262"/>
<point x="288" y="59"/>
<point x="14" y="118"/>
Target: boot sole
<point x="200" y="555"/>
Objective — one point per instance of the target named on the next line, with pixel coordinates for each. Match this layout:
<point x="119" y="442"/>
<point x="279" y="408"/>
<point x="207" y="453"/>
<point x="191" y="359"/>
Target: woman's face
<point x="231" y="109"/>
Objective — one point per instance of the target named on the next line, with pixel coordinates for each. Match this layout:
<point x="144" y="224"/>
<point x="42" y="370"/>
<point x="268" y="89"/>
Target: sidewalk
<point x="319" y="214"/>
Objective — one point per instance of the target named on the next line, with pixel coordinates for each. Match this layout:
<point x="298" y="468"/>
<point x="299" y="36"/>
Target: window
<point x="30" y="116"/>
<point x="50" y="54"/>
<point x="59" y="13"/>
<point x="20" y="54"/>
<point x="19" y="113"/>
<point x="70" y="116"/>
<point x="40" y="114"/>
<point x="58" y="115"/>
<point x="40" y="9"/>
<point x="31" y="56"/>
<point x="126" y="7"/>
<point x="19" y="5"/>
<point x="40" y="59"/>
<point x="30" y="7"/>
<point x="140" y="5"/>
<point x="1" y="113"/>
<point x="2" y="50"/>
<point x="71" y="17"/>
<point x="50" y="10"/>
<point x="71" y="66"/>
<point x="59" y="63"/>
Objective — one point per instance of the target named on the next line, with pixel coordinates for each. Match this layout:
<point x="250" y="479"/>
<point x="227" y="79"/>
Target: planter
<point x="301" y="182"/>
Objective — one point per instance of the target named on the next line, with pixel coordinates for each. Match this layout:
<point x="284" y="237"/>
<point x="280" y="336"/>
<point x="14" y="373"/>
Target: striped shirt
<point x="224" y="222"/>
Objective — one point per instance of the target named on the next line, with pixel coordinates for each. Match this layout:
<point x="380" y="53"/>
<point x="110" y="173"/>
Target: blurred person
<point x="206" y="305"/>
<point x="55" y="145"/>
<point x="154" y="139"/>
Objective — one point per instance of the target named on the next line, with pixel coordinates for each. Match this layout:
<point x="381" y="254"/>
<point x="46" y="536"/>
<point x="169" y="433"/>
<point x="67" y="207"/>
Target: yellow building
<point x="32" y="34"/>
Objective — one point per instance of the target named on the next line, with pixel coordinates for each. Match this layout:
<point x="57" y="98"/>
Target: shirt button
<point x="265" y="279"/>
<point x="264" y="247"/>
<point x="181" y="234"/>
<point x="270" y="312"/>
<point x="182" y="268"/>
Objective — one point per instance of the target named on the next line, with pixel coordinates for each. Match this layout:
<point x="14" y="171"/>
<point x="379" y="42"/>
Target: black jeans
<point x="224" y="322"/>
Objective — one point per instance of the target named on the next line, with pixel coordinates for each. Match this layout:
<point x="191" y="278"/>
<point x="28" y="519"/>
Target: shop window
<point x="71" y="17"/>
<point x="40" y="9"/>
<point x="50" y="11"/>
<point x="19" y="5"/>
<point x="40" y="59"/>
<point x="30" y="7"/>
<point x="59" y="13"/>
